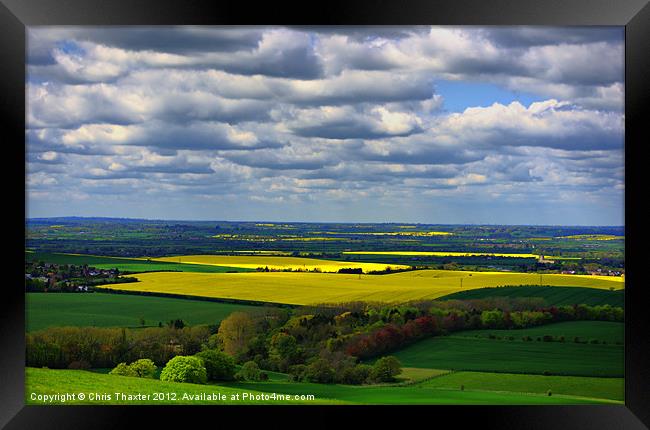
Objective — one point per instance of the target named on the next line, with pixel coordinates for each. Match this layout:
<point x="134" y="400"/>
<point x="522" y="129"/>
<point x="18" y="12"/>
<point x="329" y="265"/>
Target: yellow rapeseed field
<point x="392" y="233"/>
<point x="277" y="263"/>
<point x="441" y="254"/>
<point x="313" y="288"/>
<point x="592" y="237"/>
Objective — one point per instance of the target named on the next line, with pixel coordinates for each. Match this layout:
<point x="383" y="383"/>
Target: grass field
<point x="606" y="388"/>
<point x="126" y="264"/>
<point x="414" y="394"/>
<point x="584" y="386"/>
<point x="460" y="352"/>
<point x="311" y="288"/>
<point x="607" y="331"/>
<point x="411" y="375"/>
<point x="45" y="381"/>
<point x="555" y="296"/>
<point x="276" y="262"/>
<point x="119" y="310"/>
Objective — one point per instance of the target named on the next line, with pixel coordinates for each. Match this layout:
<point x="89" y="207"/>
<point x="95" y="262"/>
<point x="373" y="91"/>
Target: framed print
<point x="319" y="213"/>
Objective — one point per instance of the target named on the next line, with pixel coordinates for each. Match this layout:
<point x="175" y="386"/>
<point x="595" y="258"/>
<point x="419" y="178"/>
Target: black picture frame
<point x="16" y="15"/>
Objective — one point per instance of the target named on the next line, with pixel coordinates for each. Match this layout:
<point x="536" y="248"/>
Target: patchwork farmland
<point x="470" y="321"/>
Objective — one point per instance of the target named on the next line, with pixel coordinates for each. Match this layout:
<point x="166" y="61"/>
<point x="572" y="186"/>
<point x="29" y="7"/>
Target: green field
<point x="135" y="265"/>
<point x="459" y="352"/>
<point x="412" y="375"/>
<point x="412" y="394"/>
<point x="45" y="381"/>
<point x="606" y="388"/>
<point x="119" y="310"/>
<point x="610" y="332"/>
<point x="554" y="296"/>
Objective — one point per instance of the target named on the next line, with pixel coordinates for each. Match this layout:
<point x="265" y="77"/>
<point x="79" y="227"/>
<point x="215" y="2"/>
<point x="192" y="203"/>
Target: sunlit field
<point x="312" y="288"/>
<point x="455" y="254"/>
<point x="278" y="263"/>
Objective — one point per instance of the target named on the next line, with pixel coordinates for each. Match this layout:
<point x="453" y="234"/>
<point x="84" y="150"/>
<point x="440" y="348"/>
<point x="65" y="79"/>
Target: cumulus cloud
<point x="316" y="119"/>
<point x="550" y="123"/>
<point x="348" y="123"/>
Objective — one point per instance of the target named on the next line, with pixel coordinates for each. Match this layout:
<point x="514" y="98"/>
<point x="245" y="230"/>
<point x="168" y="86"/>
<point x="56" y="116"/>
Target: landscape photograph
<point x="324" y="215"/>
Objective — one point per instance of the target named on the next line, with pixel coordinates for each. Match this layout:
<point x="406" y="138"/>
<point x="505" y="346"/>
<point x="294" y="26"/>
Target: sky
<point x="446" y="125"/>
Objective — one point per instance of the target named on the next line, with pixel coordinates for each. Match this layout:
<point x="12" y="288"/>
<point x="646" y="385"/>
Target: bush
<point x="548" y="338"/>
<point x="594" y="341"/>
<point x="385" y="369"/>
<point x="320" y="371"/>
<point x="218" y="365"/>
<point x="549" y="393"/>
<point x="264" y="376"/>
<point x="123" y="369"/>
<point x="79" y="365"/>
<point x="184" y="369"/>
<point x="297" y="372"/>
<point x="249" y="371"/>
<point x="546" y="373"/>
<point x="356" y="375"/>
<point x="144" y="368"/>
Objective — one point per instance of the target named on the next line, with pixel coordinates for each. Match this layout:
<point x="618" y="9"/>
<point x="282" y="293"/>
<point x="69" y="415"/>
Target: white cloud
<point x="300" y="117"/>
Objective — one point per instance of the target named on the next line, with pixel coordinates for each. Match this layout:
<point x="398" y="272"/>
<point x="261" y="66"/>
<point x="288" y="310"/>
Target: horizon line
<point x="317" y="222"/>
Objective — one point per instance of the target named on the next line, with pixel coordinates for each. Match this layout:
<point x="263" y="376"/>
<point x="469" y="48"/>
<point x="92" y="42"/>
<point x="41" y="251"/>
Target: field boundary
<point x="196" y="298"/>
<point x="428" y="378"/>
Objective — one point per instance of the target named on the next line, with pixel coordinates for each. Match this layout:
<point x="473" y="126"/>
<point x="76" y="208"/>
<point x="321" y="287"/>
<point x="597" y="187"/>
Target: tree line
<point x="325" y="344"/>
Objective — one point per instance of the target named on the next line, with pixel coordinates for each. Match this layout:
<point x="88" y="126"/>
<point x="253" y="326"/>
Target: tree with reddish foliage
<point x="427" y="325"/>
<point x="453" y="321"/>
<point x="388" y="337"/>
<point x="410" y="330"/>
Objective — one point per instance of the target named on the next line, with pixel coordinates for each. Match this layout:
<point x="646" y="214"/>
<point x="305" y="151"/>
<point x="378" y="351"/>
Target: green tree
<point x="123" y="369"/>
<point x="356" y="375"/>
<point x="320" y="371"/>
<point x="385" y="369"/>
<point x="284" y="350"/>
<point x="235" y="332"/>
<point x="177" y="324"/>
<point x="492" y="319"/>
<point x="144" y="368"/>
<point x="249" y="371"/>
<point x="184" y="369"/>
<point x="219" y="366"/>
